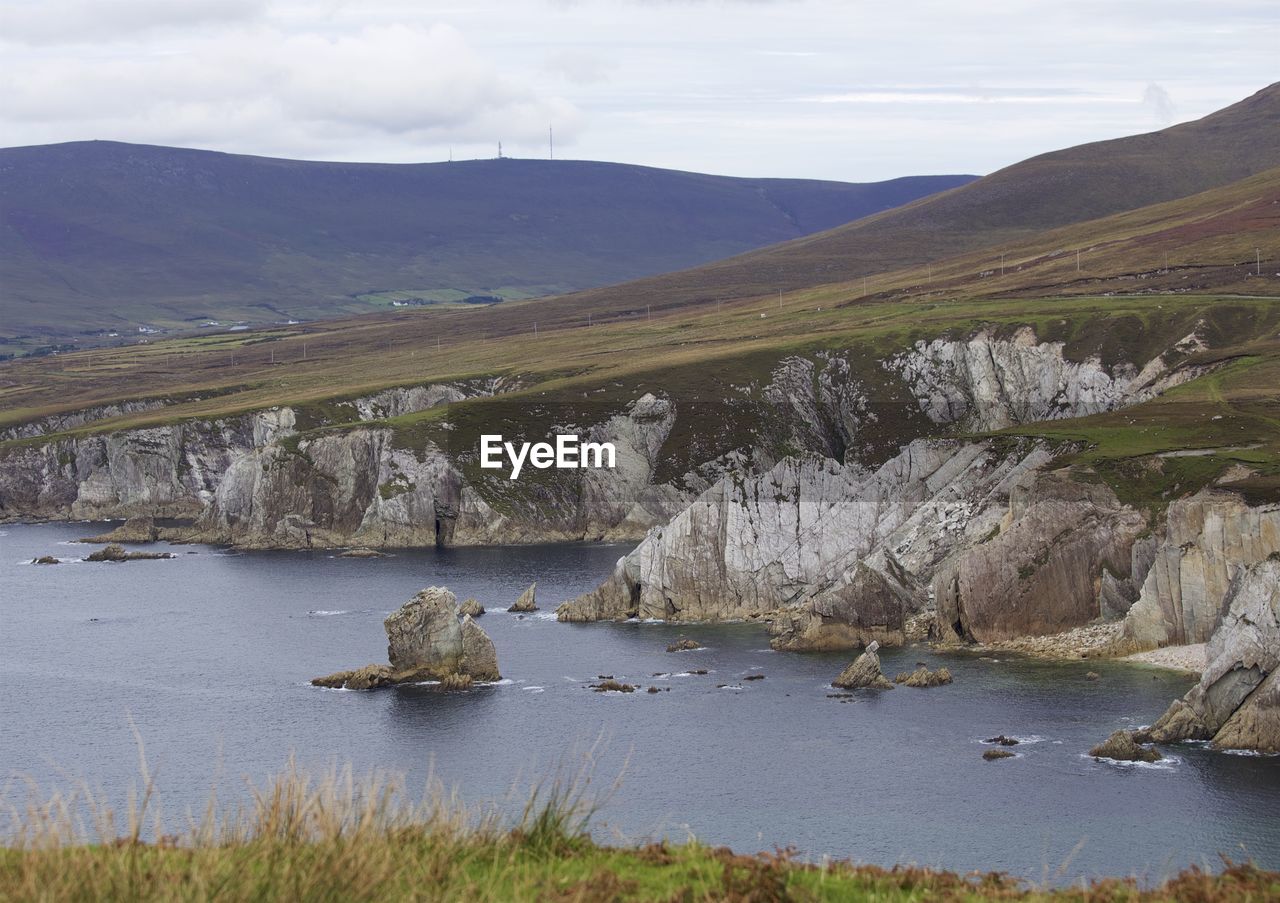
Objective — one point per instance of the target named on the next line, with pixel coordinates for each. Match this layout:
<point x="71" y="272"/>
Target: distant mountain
<point x="1045" y="192"/>
<point x="101" y="235"/>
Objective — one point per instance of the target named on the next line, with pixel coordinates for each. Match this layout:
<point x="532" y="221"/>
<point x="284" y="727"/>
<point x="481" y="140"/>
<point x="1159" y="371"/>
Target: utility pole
<point x="779" y="299"/>
<point x="437" y="343"/>
<point x="535" y="329"/>
<point x="304" y="351"/>
<point x="1001" y="264"/>
<point x="648" y="312"/>
<point x="864" y="286"/>
<point x="1077" y="260"/>
<point x="1258" y="254"/>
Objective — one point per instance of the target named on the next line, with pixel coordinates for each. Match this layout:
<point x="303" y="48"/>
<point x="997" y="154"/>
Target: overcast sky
<point x="835" y="89"/>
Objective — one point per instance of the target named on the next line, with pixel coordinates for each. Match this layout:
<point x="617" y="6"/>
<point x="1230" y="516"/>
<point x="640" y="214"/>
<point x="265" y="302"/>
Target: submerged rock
<point x="613" y="686"/>
<point x="471" y="608"/>
<point x="117" y="553"/>
<point x="527" y="601"/>
<point x="1002" y="740"/>
<point x="923" y="677"/>
<point x="992" y="754"/>
<point x="1122" y="747"/>
<point x="863" y="674"/>
<point x="426" y="641"/>
<point x="362" y="553"/>
<point x="684" y="644"/>
<point x="46" y="559"/>
<point x="366" y="678"/>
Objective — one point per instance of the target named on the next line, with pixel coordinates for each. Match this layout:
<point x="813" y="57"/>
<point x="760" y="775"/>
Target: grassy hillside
<point x="1046" y="192"/>
<point x="1143" y="280"/>
<point x="341" y="838"/>
<point x="100" y="236"/>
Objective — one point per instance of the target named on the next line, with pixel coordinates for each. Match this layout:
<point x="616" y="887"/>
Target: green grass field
<point x="342" y="838"/>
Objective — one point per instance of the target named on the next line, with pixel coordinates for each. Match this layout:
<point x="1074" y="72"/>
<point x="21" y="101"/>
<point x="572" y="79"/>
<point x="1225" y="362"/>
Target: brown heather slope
<point x="1045" y="192"/>
<point x="1209" y="238"/>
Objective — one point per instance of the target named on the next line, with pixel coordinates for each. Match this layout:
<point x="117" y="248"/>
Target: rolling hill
<point x="101" y="236"/>
<point x="1048" y="191"/>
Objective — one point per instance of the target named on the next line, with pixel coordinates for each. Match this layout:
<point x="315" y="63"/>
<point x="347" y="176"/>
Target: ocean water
<point x="207" y="659"/>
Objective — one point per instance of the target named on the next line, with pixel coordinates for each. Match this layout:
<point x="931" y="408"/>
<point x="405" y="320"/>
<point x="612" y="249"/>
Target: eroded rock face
<point x="424" y="632"/>
<point x="863" y="674"/>
<point x="169" y="471"/>
<point x="1042" y="572"/>
<point x="527" y="602"/>
<point x="479" y="657"/>
<point x="869" y="608"/>
<point x="988" y="383"/>
<point x="1236" y="703"/>
<point x="806" y="536"/>
<point x="1210" y="538"/>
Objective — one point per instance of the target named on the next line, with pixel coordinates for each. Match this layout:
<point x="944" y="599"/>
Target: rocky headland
<point x="866" y="502"/>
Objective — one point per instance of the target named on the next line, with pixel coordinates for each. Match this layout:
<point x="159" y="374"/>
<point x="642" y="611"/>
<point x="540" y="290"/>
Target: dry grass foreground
<point x="335" y="837"/>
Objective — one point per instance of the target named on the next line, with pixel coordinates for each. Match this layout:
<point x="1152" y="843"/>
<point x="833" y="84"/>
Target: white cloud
<point x="713" y="85"/>
<point x="63" y="21"/>
<point x="320" y="90"/>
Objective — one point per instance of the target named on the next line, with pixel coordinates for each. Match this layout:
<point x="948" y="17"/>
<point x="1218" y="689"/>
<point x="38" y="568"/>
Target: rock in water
<point x="135" y="529"/>
<point x="479" y="658"/>
<point x="424" y="632"/>
<point x="114" y="552"/>
<point x="1122" y="747"/>
<point x="425" y="641"/>
<point x="362" y="553"/>
<point x="864" y="673"/>
<point x="367" y="678"/>
<point x="45" y="559"/>
<point x="526" y="602"/>
<point x="1002" y="740"/>
<point x="684" y="644"/>
<point x="471" y="608"/>
<point x="923" y="677"/>
<point x="993" y="754"/>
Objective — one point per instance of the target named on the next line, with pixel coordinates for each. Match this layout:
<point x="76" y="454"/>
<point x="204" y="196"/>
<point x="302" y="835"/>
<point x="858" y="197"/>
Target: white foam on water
<point x="1165" y="764"/>
<point x="730" y="687"/>
<point x="534" y="689"/>
<point x="505" y="682"/>
<point x="1029" y="739"/>
<point x="322" y="613"/>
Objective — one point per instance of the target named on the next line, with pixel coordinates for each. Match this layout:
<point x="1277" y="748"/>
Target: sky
<point x="831" y="89"/>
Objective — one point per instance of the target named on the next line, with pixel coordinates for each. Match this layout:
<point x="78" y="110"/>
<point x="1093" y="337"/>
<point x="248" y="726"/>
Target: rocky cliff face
<point x="1237" y="701"/>
<point x="812" y="535"/>
<point x="986" y="383"/>
<point x="253" y="481"/>
<point x="1042" y="571"/>
<point x="1209" y="539"/>
<point x="837" y="554"/>
<point x="170" y="471"/>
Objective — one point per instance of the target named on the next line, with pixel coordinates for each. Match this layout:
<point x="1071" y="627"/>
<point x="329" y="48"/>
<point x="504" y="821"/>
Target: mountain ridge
<point x="106" y="235"/>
